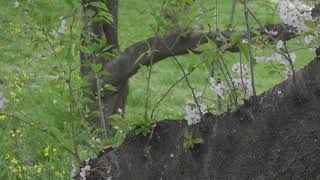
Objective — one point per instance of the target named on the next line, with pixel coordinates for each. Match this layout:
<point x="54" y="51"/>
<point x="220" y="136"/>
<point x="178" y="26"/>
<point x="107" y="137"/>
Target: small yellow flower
<point x="38" y="167"/>
<point x="15" y="132"/>
<point x="7" y="156"/>
<point x="13" y="160"/>
<point x="24" y="168"/>
<point x="46" y="151"/>
<point x="14" y="170"/>
<point x="3" y="117"/>
<point x="57" y="173"/>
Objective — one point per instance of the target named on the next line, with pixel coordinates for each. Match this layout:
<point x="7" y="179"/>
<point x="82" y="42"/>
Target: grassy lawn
<point x="27" y="80"/>
<point x="167" y="71"/>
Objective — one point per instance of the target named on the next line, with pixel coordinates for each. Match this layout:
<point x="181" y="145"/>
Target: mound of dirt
<point x="275" y="136"/>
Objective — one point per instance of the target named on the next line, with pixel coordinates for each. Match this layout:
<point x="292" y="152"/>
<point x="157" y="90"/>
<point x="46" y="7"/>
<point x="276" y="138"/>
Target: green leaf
<point x="105" y="16"/>
<point x="209" y="46"/>
<point x="191" y="2"/>
<point x="271" y="72"/>
<point x="140" y="57"/>
<point x="85" y="49"/>
<point x="104" y="73"/>
<point x="97" y="68"/>
<point x="193" y="56"/>
<point x="110" y="87"/>
<point x="116" y="117"/>
<point x="182" y="3"/>
<point x="54" y="132"/>
<point x="191" y="67"/>
<point x="67" y="143"/>
<point x="310" y="23"/>
<point x="235" y="37"/>
<point x="198" y="141"/>
<point x="95" y="114"/>
<point x="100" y="5"/>
<point x="244" y="47"/>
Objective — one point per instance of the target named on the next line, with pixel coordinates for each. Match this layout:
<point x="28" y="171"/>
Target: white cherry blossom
<point x="218" y="88"/>
<point x="295" y="13"/>
<point x="193" y="114"/>
<point x="16" y="4"/>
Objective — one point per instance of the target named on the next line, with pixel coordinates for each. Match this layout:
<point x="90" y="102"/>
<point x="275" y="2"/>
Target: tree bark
<point x="111" y="100"/>
<point x="276" y="136"/>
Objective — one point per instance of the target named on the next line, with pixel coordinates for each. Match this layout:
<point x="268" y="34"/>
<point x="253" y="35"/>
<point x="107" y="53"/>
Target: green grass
<point x="167" y="71"/>
<point x="26" y="81"/>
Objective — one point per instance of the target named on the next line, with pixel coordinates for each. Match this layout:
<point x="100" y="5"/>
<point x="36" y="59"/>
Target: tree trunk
<point x="275" y="136"/>
<point x="111" y="101"/>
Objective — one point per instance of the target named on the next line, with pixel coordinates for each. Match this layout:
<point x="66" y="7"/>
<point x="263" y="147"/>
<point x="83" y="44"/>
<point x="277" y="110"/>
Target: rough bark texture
<point x="276" y="136"/>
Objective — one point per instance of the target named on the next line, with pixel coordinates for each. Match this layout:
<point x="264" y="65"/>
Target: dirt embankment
<point x="276" y="136"/>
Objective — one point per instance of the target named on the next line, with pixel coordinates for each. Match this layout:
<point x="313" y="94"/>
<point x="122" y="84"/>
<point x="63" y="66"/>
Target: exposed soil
<point x="275" y="136"/>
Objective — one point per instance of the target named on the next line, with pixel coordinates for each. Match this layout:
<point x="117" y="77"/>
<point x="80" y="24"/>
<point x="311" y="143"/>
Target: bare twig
<point x="233" y="11"/>
<point x="289" y="59"/>
<point x="246" y="14"/>
<point x="241" y="74"/>
<point x="168" y="91"/>
<point x="151" y="65"/>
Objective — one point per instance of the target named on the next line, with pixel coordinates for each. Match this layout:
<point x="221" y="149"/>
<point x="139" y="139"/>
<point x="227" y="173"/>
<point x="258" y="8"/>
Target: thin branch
<point x="241" y="74"/>
<point x="289" y="59"/>
<point x="187" y="80"/>
<point x="169" y="90"/>
<point x="124" y="65"/>
<point x="250" y="44"/>
<point x="230" y="78"/>
<point x="226" y="78"/>
<point x="151" y="65"/>
<point x="233" y="11"/>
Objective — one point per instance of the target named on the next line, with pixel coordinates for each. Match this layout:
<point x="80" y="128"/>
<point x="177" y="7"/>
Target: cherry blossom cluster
<point x="295" y="13"/>
<point x="287" y="73"/>
<point x="218" y="87"/>
<point x="281" y="56"/>
<point x="271" y="32"/>
<point x="84" y="170"/>
<point x="192" y="111"/>
<point x="242" y="80"/>
<point x="73" y="172"/>
<point x="277" y="57"/>
<point x="62" y="29"/>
